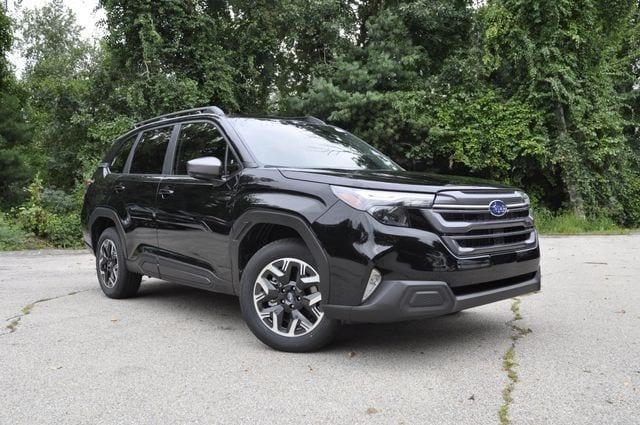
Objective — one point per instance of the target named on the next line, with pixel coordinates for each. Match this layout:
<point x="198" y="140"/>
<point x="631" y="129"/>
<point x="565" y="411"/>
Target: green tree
<point x="57" y="84"/>
<point x="571" y="61"/>
<point x="241" y="55"/>
<point x="13" y="131"/>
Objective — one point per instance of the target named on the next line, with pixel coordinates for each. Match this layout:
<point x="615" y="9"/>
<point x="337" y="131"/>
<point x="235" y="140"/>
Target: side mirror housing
<point x="205" y="168"/>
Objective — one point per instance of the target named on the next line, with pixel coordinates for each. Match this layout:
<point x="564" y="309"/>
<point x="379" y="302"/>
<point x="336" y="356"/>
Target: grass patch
<point x="566" y="223"/>
<point x="509" y="363"/>
<point x="13" y="238"/>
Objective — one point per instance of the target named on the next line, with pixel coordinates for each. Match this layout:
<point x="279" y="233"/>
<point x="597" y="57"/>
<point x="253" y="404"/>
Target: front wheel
<point x="281" y="298"/>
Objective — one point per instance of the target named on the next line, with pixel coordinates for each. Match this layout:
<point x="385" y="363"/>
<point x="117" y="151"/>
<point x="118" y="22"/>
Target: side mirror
<point x="205" y="168"/>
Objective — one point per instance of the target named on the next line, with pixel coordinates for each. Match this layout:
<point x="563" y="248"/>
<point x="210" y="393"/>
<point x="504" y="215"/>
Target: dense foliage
<point x="543" y="94"/>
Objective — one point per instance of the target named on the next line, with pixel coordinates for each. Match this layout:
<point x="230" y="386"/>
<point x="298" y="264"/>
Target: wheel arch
<point x="248" y="222"/>
<point x="100" y="219"/>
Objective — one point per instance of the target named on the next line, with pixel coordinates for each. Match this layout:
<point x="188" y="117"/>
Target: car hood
<point x="393" y="180"/>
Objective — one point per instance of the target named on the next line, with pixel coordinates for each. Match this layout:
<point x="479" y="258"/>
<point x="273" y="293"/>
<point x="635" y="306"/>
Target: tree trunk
<point x="569" y="162"/>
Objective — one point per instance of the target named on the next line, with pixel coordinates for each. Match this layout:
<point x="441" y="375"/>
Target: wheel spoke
<point x="276" y="319"/>
<point x="275" y="271"/>
<point x="104" y="250"/>
<point x="308" y="282"/>
<point x="293" y="326"/>
<point x="316" y="312"/>
<point x="268" y="288"/>
<point x="312" y="299"/>
<point x="287" y="267"/>
<point x="304" y="322"/>
<point x="266" y="312"/>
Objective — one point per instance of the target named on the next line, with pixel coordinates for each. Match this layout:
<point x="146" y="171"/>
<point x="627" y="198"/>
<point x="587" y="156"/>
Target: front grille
<point x="468" y="228"/>
<point x="482" y="216"/>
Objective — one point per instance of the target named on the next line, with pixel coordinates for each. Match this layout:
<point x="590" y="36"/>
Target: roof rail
<point x="314" y="120"/>
<point x="202" y="110"/>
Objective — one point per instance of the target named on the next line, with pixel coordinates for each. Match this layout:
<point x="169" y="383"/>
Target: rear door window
<point x="148" y="157"/>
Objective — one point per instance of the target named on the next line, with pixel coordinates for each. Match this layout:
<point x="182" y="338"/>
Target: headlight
<point x="385" y="206"/>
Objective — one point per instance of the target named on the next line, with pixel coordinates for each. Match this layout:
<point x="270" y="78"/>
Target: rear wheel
<point x="114" y="278"/>
<point x="281" y="298"/>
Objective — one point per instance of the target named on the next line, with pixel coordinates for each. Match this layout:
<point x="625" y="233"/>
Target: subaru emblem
<point x="497" y="208"/>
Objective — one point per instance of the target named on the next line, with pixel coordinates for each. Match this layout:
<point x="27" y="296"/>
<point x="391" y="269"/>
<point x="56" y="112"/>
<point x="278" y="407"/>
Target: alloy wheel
<point x="108" y="263"/>
<point x="287" y="297"/>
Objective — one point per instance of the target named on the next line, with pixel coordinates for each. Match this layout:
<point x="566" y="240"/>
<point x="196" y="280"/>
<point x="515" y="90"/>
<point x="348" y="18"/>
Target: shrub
<point x="50" y="214"/>
<point x="58" y="201"/>
<point x="14" y="238"/>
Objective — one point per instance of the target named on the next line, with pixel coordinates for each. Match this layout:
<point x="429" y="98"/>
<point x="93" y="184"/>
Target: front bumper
<point x="407" y="300"/>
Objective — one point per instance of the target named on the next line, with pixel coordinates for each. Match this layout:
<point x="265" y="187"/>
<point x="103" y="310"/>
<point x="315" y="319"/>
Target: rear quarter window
<point x="120" y="158"/>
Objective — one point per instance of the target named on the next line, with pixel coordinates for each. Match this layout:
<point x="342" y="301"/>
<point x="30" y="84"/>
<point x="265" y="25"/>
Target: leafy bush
<point x="14" y="238"/>
<point x="52" y="216"/>
<point x="58" y="201"/>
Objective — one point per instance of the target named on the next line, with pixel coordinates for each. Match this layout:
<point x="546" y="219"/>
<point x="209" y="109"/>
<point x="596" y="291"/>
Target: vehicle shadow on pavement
<point x="465" y="330"/>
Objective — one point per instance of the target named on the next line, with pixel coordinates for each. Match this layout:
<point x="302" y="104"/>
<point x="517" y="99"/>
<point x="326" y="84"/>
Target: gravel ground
<point x="176" y="354"/>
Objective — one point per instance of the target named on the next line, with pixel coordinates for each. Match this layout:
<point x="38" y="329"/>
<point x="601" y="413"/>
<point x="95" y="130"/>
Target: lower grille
<point x="494" y="284"/>
<point x="468" y="227"/>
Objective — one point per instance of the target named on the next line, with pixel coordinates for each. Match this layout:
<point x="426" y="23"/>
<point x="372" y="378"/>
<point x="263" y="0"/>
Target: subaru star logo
<point x="497" y="208"/>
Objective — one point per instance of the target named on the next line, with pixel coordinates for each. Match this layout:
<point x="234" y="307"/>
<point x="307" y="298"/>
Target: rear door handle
<point x="165" y="192"/>
<point x="119" y="187"/>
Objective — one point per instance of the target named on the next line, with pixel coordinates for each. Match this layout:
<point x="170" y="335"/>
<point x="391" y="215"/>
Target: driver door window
<point x="196" y="140"/>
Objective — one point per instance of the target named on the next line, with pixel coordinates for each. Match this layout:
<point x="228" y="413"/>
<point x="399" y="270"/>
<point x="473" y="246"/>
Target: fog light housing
<point x="374" y="280"/>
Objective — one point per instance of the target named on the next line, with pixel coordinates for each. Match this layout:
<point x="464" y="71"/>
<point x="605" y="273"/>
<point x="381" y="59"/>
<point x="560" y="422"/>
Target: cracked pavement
<point x="176" y="354"/>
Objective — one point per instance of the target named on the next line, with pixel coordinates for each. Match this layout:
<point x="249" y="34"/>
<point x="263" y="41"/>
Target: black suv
<point x="305" y="222"/>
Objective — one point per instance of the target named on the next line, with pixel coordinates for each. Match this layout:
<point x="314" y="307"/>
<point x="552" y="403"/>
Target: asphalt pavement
<point x="568" y="354"/>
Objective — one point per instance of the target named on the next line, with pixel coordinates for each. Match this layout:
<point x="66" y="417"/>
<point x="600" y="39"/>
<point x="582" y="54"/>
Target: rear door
<point x="194" y="220"/>
<point x="137" y="191"/>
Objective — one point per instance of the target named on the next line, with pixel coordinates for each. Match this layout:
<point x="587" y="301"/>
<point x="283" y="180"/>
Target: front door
<point x="193" y="216"/>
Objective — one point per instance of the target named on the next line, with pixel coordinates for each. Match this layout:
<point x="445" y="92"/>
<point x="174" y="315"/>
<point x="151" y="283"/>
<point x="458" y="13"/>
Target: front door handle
<point x="119" y="187"/>
<point x="165" y="192"/>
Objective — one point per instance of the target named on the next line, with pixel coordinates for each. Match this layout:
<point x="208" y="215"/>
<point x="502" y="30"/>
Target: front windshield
<point x="299" y="144"/>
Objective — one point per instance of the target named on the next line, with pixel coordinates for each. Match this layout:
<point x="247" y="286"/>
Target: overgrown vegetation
<point x="541" y="94"/>
<point x="566" y="223"/>
<point x="14" y="238"/>
<point x="509" y="363"/>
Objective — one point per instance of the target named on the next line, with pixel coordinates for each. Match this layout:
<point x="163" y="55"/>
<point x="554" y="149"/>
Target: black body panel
<point x="194" y="221"/>
<point x="193" y="231"/>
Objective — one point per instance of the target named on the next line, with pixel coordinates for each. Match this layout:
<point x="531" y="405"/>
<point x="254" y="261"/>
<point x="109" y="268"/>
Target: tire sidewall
<point x="286" y="248"/>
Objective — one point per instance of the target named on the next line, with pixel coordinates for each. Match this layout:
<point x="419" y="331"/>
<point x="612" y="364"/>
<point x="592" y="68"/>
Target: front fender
<point x="252" y="217"/>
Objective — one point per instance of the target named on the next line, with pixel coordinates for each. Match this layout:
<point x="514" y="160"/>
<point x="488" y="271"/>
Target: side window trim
<point x="127" y="166"/>
<point x="173" y="144"/>
<point x="167" y="165"/>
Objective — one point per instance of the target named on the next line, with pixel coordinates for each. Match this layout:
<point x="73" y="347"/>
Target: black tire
<point x="323" y="329"/>
<point x="120" y="283"/>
